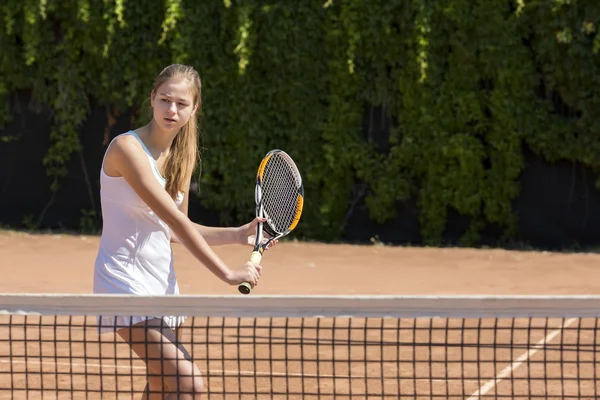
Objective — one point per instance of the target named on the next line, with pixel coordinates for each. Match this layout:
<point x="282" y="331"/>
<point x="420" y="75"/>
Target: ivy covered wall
<point x="381" y="102"/>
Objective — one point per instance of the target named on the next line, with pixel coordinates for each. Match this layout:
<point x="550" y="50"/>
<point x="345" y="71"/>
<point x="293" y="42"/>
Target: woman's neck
<point x="156" y="139"/>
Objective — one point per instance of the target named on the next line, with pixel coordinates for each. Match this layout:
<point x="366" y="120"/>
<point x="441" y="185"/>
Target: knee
<point x="189" y="385"/>
<point x="192" y="388"/>
<point x="188" y="389"/>
<point x="155" y="389"/>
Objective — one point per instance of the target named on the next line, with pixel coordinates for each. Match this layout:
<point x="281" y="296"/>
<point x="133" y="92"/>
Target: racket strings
<point x="281" y="191"/>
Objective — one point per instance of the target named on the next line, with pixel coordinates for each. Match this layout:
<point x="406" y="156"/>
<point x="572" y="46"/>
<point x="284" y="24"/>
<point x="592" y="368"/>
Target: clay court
<point x="59" y="263"/>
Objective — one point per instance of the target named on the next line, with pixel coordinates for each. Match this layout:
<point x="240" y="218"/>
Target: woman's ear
<point x="152" y="94"/>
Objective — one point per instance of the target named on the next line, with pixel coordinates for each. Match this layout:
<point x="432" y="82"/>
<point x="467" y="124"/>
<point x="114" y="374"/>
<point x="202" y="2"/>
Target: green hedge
<point x="467" y="83"/>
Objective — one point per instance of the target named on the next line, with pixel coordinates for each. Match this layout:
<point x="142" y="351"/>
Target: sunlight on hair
<point x="183" y="156"/>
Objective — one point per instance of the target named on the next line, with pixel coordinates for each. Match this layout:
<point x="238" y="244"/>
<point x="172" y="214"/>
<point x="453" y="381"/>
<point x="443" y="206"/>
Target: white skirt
<point x="113" y="324"/>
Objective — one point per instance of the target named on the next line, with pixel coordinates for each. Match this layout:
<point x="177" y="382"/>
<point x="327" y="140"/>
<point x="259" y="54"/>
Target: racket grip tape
<point x="246" y="287"/>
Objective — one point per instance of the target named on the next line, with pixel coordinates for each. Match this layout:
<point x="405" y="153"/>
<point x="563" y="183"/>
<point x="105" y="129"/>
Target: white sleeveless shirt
<point x="135" y="254"/>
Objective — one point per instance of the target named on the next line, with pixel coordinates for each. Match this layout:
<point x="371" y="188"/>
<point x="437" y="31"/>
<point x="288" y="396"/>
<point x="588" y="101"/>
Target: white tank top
<point x="135" y="254"/>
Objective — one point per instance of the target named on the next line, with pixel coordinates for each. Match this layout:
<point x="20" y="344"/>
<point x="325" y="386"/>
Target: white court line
<point x="29" y="362"/>
<point x="214" y="372"/>
<point x="520" y="360"/>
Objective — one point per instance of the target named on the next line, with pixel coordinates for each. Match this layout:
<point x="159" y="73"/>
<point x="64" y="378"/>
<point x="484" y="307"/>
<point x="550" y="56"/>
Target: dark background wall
<point x="424" y="122"/>
<point x="558" y="205"/>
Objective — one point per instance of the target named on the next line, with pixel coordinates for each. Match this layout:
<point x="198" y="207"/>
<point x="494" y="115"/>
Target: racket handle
<point x="246" y="287"/>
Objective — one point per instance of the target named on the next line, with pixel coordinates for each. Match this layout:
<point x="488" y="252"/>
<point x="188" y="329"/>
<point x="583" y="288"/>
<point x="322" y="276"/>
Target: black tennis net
<point x="300" y="347"/>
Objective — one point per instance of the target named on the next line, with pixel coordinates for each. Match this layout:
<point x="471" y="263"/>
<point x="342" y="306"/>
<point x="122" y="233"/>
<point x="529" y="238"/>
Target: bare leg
<point x="172" y="374"/>
<point x="153" y="389"/>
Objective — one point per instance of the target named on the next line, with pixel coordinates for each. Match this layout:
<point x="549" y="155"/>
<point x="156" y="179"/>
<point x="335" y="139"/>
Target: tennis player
<point x="145" y="182"/>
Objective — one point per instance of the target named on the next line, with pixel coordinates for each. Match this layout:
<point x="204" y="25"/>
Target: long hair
<point x="183" y="154"/>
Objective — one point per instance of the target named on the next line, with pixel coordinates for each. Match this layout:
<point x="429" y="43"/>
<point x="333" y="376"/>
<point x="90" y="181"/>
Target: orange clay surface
<point x="59" y="263"/>
<point x="62" y="263"/>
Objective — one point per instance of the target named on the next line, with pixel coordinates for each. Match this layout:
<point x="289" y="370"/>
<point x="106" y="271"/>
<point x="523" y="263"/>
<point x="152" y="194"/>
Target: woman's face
<point x="173" y="104"/>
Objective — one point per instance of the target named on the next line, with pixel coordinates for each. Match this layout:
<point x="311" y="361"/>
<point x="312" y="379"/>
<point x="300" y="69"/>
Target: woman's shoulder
<point x="124" y="137"/>
<point x="126" y="142"/>
<point x="125" y="146"/>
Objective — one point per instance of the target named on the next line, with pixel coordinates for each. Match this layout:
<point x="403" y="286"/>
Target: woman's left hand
<point x="247" y="233"/>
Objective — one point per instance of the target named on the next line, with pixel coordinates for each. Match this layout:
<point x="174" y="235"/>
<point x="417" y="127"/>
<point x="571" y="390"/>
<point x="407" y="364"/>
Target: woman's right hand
<point x="249" y="272"/>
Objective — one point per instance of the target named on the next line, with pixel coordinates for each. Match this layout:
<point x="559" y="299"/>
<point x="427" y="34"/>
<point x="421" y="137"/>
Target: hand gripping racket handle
<point x="246" y="287"/>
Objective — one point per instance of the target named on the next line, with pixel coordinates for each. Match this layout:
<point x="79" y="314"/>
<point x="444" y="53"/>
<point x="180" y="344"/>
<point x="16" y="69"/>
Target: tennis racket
<point x="279" y="197"/>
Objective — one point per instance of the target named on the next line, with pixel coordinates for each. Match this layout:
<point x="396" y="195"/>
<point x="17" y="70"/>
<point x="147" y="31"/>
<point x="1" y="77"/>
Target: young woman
<point x="145" y="180"/>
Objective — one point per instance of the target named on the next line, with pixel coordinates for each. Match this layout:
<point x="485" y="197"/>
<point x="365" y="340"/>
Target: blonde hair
<point x="183" y="154"/>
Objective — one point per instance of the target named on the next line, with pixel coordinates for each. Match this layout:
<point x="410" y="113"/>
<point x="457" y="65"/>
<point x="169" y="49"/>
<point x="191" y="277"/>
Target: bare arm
<point x="126" y="156"/>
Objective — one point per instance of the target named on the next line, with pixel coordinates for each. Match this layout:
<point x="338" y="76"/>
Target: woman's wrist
<point x="238" y="236"/>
